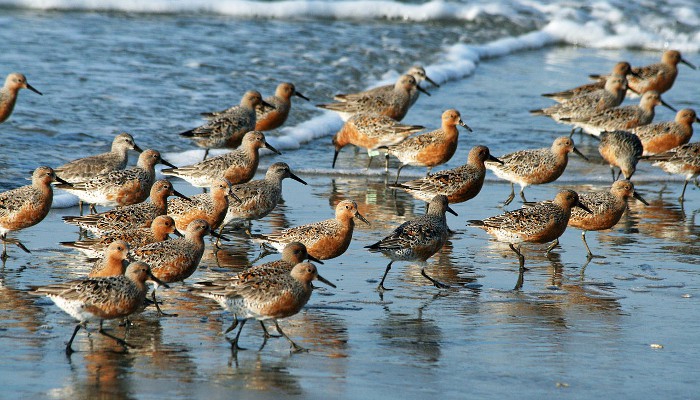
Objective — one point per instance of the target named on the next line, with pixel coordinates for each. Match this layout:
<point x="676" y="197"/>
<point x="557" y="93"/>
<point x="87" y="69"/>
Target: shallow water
<point x="564" y="329"/>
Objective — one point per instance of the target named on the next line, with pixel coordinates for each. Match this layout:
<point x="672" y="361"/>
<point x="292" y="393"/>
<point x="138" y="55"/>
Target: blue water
<point x="150" y="68"/>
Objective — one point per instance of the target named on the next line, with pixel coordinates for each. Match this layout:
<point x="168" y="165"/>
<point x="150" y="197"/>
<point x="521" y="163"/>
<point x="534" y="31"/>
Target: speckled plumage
<point x="663" y="136"/>
<point x="591" y="103"/>
<point x="416" y="71"/>
<point x="122" y="187"/>
<point x="210" y="207"/>
<point x="371" y="131"/>
<point x="459" y="184"/>
<point x="393" y="104"/>
<point x="622" y="68"/>
<point x="9" y="91"/>
<point x="621" y="149"/>
<point x="160" y="228"/>
<point x="323" y="239"/>
<point x="417" y="239"/>
<point x="237" y="166"/>
<point x="269" y="118"/>
<point x="534" y="167"/>
<point x="259" y="197"/>
<point x="658" y="77"/>
<point x="139" y="215"/>
<point x="432" y="148"/>
<point x="97" y="299"/>
<point x="682" y="160"/>
<point x="606" y="208"/>
<point x="540" y="222"/>
<point x="26" y="206"/>
<point x="619" y="118"/>
<point x="266" y="295"/>
<point x="226" y="128"/>
<point x="86" y="168"/>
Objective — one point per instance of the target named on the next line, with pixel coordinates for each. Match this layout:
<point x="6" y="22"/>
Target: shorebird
<point x="323" y="239"/>
<point x="266" y="295"/>
<point x="589" y="104"/>
<point x="210" y="207"/>
<point x="619" y="118"/>
<point x="26" y="206"/>
<point x="83" y="169"/>
<point x="430" y="149"/>
<point x="177" y="259"/>
<point x="606" y="209"/>
<point x="621" y="149"/>
<point x="417" y="239"/>
<point x="663" y="136"/>
<point x="658" y="77"/>
<point x="540" y="222"/>
<point x="113" y="263"/>
<point x="226" y="128"/>
<point x="416" y="71"/>
<point x="621" y="69"/>
<point x="122" y="187"/>
<point x="459" y="184"/>
<point x="259" y="197"/>
<point x="393" y="104"/>
<point x="8" y="93"/>
<point x="371" y="131"/>
<point x="267" y="119"/>
<point x="97" y="299"/>
<point x="139" y="215"/>
<point x="534" y="167"/>
<point x="682" y="160"/>
<point x="237" y="166"/>
<point x="160" y="228"/>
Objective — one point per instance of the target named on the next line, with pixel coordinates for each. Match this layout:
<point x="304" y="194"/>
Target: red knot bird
<point x="417" y="239"/>
<point x="621" y="69"/>
<point x="267" y="119"/>
<point x="606" y="209"/>
<point x="237" y="166"/>
<point x="416" y="71"/>
<point x="139" y="215"/>
<point x="264" y="295"/>
<point x="621" y="149"/>
<point x="391" y="103"/>
<point x="323" y="239"/>
<point x="98" y="299"/>
<point x="459" y="184"/>
<point x="160" y="228"/>
<point x="682" y="160"/>
<point x="534" y="167"/>
<point x="540" y="222"/>
<point x="663" y="136"/>
<point x="371" y="131"/>
<point x="119" y="188"/>
<point x="432" y="148"/>
<point x="8" y="93"/>
<point x="226" y="128"/>
<point x="83" y="169"/>
<point x="113" y="263"/>
<point x="589" y="104"/>
<point x="211" y="207"/>
<point x="293" y="254"/>
<point x="658" y="77"/>
<point x="619" y="118"/>
<point x="177" y="259"/>
<point x="26" y="206"/>
<point x="259" y="197"/>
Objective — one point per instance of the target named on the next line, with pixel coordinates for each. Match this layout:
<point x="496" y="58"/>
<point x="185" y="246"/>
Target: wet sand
<point x="567" y="328"/>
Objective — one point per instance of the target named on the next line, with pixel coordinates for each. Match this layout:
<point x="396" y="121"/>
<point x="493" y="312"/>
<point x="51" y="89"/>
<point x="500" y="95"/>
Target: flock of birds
<point x="131" y="241"/>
